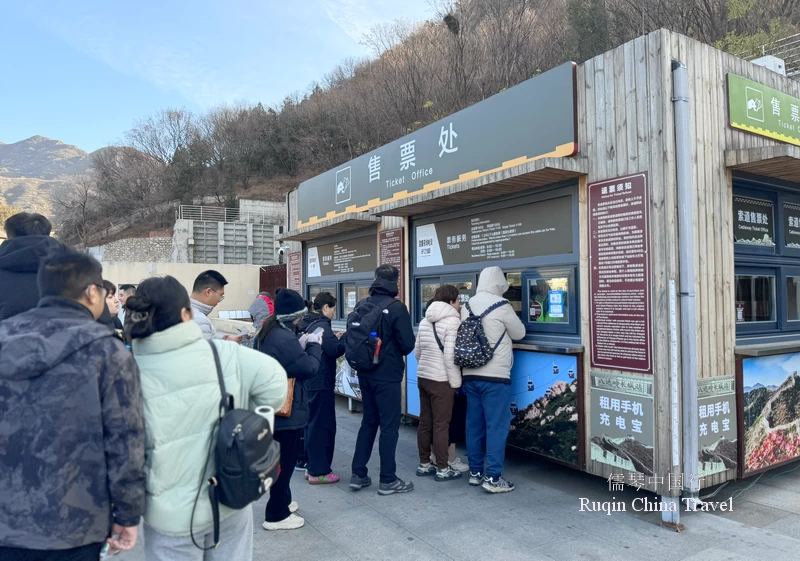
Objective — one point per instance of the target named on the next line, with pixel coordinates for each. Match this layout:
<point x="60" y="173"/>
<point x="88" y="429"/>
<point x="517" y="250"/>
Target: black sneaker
<point x="475" y="478"/>
<point x="301" y="466"/>
<point x="398" y="486"/>
<point x="357" y="482"/>
<point x="498" y="485"/>
<point x="447" y="474"/>
<point x="426" y="469"/>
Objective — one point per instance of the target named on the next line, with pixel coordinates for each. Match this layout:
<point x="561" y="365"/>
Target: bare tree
<point x="161" y="135"/>
<point x="78" y="209"/>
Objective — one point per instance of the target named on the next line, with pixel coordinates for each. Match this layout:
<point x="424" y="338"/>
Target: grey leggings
<point x="235" y="542"/>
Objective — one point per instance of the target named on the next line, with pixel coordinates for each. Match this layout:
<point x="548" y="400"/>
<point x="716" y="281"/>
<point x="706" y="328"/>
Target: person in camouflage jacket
<point x="71" y="422"/>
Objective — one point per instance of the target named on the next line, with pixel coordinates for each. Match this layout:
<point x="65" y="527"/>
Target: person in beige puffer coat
<point x="488" y="388"/>
<point x="438" y="379"/>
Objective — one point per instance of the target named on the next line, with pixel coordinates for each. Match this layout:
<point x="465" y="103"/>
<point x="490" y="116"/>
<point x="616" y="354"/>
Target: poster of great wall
<point x="771" y="410"/>
<point x="346" y="383"/>
<point x="622" y="422"/>
<point x="544" y="405"/>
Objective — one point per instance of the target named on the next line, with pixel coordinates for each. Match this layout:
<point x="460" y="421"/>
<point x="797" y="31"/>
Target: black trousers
<point x="381" y="401"/>
<point x="89" y="552"/>
<point x="280" y="494"/>
<point x="458" y="422"/>
<point x="321" y="432"/>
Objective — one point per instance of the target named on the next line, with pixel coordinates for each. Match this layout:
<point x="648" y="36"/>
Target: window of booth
<point x="548" y="299"/>
<point x="465" y="284"/>
<point x="344" y="266"/>
<point x="533" y="238"/>
<point x="314" y="289"/>
<point x="766" y="228"/>
<point x="352" y="294"/>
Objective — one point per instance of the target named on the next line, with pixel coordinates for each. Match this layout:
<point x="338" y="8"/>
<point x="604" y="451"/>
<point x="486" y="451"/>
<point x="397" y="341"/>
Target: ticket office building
<point x="569" y="183"/>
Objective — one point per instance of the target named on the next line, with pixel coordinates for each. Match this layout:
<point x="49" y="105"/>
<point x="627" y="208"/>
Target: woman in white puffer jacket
<point x="438" y="379"/>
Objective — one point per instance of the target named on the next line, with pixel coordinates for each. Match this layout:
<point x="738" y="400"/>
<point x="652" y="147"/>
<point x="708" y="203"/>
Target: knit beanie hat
<point x="289" y="305"/>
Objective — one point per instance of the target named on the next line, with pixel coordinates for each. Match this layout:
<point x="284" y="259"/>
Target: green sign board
<point x="762" y="110"/>
<point x="532" y="120"/>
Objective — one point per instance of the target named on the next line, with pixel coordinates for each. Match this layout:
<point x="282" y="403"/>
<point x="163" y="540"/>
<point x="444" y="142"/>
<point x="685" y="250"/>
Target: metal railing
<point x="787" y="49"/>
<point x="220" y="214"/>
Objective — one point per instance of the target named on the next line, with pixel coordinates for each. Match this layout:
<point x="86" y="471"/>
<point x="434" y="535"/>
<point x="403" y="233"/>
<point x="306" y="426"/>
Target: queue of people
<point x="112" y="400"/>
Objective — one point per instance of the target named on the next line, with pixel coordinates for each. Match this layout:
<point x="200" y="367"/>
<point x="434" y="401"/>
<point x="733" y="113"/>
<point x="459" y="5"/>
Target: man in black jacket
<point x="72" y="436"/>
<point x="27" y="245"/>
<point x="380" y="389"/>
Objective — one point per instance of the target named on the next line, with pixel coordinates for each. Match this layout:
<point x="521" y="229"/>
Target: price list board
<point x="294" y="271"/>
<point x="619" y="263"/>
<point x="390" y="243"/>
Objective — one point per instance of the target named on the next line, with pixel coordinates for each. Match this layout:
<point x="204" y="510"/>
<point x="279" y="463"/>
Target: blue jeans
<point x="488" y="423"/>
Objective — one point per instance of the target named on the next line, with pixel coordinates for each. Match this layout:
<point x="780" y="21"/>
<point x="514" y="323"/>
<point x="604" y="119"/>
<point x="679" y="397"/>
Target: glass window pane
<point x="349" y="298"/>
<point x="793" y="298"/>
<point x="514" y="293"/>
<point x="549" y="300"/>
<point x="755" y="298"/>
<point x="313" y="290"/>
<point x="466" y="290"/>
<point x="427" y="288"/>
<point x="363" y="292"/>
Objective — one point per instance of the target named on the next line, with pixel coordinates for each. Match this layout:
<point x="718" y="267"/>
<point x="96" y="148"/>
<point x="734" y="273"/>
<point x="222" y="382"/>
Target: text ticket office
<point x="344" y="266"/>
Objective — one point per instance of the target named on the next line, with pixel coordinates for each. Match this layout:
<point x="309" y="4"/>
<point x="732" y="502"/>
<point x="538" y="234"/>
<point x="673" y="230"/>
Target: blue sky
<point x="770" y="370"/>
<point x="84" y="71"/>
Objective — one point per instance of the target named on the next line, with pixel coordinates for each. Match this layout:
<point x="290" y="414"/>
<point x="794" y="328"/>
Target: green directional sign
<point x="762" y="110"/>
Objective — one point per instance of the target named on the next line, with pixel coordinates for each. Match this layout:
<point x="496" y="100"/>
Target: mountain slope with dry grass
<point x="37" y="171"/>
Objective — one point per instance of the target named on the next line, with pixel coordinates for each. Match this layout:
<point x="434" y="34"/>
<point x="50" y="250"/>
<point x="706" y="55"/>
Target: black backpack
<point x="247" y="457"/>
<point x="472" y="347"/>
<point x="360" y="346"/>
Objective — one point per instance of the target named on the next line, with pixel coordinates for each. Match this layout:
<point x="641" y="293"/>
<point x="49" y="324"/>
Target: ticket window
<point x="514" y="292"/>
<point x="549" y="300"/>
<point x="427" y="288"/>
<point x="315" y="289"/>
<point x="352" y="294"/>
<point x="756" y="297"/>
<point x="465" y="283"/>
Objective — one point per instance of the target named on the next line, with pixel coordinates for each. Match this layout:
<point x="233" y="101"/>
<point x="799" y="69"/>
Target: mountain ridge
<point x="36" y="171"/>
<point x="42" y="158"/>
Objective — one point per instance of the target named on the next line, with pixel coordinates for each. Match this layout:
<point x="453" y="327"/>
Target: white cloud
<point x="358" y="17"/>
<point x="214" y="54"/>
<point x="148" y="55"/>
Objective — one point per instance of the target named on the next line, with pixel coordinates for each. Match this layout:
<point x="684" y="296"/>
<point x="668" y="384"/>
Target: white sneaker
<point x="458" y="465"/>
<point x="293" y="506"/>
<point x="292" y="523"/>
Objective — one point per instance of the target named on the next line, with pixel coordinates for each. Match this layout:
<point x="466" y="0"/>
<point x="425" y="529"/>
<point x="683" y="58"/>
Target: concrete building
<point x="210" y="235"/>
<point x="247" y="235"/>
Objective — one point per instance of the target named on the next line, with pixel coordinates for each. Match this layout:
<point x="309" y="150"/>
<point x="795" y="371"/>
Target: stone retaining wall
<point x="147" y="250"/>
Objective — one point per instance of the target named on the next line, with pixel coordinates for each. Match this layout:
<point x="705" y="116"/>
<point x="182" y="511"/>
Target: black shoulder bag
<point x="247" y="458"/>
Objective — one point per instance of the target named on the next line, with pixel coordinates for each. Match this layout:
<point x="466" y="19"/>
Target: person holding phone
<point x="320" y="435"/>
<point x="300" y="357"/>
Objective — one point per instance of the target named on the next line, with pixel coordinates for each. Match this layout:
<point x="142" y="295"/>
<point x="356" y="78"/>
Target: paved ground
<point x="541" y="520"/>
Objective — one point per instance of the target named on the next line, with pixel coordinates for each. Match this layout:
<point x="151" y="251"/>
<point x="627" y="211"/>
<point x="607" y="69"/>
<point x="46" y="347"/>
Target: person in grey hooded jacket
<point x="261" y="308"/>
<point x="488" y="388"/>
<point x="72" y="436"/>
